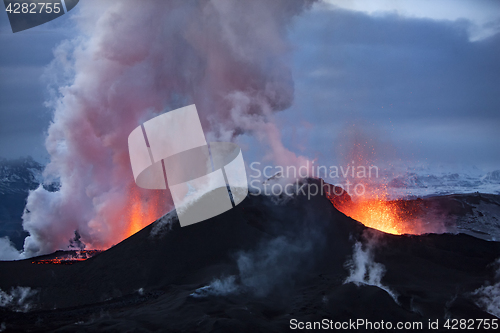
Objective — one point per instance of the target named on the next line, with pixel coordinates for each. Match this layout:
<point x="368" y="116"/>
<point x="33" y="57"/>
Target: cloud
<point x="419" y="81"/>
<point x="23" y="57"/>
<point x="484" y="15"/>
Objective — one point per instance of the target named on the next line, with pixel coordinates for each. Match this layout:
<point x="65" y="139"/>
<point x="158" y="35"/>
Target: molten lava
<point x="57" y="261"/>
<point x="372" y="206"/>
<point x="144" y="208"/>
<point x="393" y="217"/>
<point x="67" y="258"/>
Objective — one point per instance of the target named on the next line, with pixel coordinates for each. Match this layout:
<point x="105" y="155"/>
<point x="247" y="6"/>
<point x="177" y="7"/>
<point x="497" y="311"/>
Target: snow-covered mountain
<point x="20" y="175"/>
<point x="428" y="183"/>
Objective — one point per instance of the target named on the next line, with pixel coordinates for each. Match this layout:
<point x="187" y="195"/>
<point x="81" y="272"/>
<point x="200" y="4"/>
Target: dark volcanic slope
<point x="271" y="261"/>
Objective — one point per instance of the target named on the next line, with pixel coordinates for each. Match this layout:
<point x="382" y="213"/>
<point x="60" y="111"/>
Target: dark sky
<point x="23" y="57"/>
<point x="427" y="90"/>
<point x="423" y="84"/>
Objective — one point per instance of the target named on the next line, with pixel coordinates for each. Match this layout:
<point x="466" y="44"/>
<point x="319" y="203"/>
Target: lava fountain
<point x="145" y="206"/>
<point x="390" y="216"/>
<point x="372" y="206"/>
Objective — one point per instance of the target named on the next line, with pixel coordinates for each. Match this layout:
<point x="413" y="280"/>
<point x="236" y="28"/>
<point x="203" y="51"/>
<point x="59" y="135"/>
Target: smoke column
<point x="132" y="61"/>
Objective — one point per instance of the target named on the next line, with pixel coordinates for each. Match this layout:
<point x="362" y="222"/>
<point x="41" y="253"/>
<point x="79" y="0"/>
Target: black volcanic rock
<point x="278" y="259"/>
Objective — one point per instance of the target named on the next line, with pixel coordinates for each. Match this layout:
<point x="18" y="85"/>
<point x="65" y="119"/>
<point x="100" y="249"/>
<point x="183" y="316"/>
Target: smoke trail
<point x="17" y="299"/>
<point x="271" y="266"/>
<point x="218" y="287"/>
<point x="364" y="270"/>
<point x="132" y="61"/>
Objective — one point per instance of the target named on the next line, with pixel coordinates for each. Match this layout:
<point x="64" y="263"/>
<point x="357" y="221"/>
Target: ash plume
<point x="132" y="62"/>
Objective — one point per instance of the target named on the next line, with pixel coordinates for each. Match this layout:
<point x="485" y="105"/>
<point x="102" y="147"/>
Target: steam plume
<point x="8" y="250"/>
<point x="269" y="267"/>
<point x="17" y="299"/>
<point x="363" y="269"/>
<point x="131" y="62"/>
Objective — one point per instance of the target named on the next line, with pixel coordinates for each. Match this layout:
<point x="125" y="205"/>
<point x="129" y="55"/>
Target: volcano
<point x="267" y="264"/>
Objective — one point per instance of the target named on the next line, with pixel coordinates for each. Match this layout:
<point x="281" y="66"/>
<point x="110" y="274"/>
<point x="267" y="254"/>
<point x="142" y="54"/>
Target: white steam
<point x="132" y="62"/>
<point x="164" y="225"/>
<point x="17" y="298"/>
<point x="8" y="251"/>
<point x="364" y="270"/>
<point x="273" y="264"/>
<point x="218" y="287"/>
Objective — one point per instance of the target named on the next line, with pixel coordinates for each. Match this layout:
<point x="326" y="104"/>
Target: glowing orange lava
<point x="68" y="258"/>
<point x="376" y="214"/>
<point x="144" y="208"/>
<point x="57" y="261"/>
<point x="372" y="207"/>
<point x="393" y="217"/>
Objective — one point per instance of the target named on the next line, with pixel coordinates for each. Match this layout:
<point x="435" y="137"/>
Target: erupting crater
<point x="390" y="216"/>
